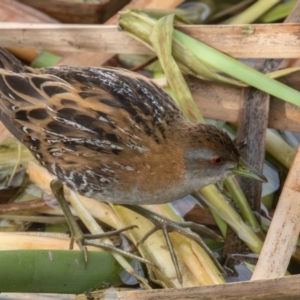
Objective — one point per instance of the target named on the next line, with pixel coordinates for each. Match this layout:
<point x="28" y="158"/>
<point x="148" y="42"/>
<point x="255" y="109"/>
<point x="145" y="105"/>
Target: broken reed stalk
<point x="283" y="233"/>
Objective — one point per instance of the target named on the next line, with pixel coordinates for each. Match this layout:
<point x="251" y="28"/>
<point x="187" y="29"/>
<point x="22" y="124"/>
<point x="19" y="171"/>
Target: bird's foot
<point x="167" y="225"/>
<point x="83" y="240"/>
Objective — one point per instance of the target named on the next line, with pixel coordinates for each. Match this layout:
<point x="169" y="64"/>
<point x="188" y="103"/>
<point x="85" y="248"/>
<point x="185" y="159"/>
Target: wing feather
<point x="82" y="123"/>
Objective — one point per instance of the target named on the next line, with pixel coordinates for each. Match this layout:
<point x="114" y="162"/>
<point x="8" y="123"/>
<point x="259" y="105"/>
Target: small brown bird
<point x="111" y="134"/>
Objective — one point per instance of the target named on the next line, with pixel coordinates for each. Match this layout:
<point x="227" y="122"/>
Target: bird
<point x="115" y="136"/>
<point x="112" y="134"/>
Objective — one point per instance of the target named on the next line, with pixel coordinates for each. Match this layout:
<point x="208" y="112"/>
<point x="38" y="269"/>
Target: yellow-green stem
<point x="242" y="203"/>
<point x="254" y="12"/>
<point x="225" y="210"/>
<point x="233" y="67"/>
<point x="279" y="148"/>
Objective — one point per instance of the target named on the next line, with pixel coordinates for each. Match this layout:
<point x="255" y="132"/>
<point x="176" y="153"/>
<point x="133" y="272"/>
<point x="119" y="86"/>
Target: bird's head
<point x="212" y="156"/>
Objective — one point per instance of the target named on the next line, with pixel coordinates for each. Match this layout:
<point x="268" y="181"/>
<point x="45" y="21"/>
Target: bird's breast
<point x="141" y="179"/>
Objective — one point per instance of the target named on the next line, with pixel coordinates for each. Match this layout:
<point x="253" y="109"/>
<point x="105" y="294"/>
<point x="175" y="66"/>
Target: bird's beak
<point x="244" y="169"/>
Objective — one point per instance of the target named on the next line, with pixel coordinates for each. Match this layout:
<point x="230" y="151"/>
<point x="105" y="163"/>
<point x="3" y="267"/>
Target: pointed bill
<point x="245" y="170"/>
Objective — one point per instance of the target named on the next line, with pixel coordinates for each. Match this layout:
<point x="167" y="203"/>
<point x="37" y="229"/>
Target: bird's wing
<point x="69" y="111"/>
<point x="122" y="96"/>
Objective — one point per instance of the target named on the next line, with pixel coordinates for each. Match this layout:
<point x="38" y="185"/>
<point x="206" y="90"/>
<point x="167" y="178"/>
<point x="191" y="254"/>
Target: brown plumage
<point x="111" y="134"/>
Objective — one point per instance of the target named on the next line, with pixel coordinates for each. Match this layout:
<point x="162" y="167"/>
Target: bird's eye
<point x="217" y="160"/>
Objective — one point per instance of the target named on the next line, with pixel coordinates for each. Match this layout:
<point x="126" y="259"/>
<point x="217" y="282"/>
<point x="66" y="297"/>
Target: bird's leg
<point x="76" y="233"/>
<point x="84" y="240"/>
<point x="166" y="225"/>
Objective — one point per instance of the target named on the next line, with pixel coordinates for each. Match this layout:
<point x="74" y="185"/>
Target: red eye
<point x="217" y="160"/>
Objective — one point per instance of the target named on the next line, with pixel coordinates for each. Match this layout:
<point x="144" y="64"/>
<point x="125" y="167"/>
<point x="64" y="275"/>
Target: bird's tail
<point x="9" y="62"/>
<point x="10" y="68"/>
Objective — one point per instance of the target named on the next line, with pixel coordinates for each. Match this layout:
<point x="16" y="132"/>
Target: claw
<point x="83" y="240"/>
<point x="166" y="225"/>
